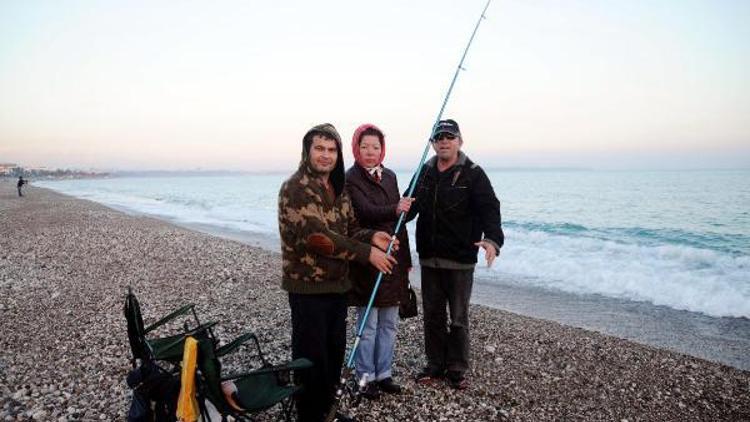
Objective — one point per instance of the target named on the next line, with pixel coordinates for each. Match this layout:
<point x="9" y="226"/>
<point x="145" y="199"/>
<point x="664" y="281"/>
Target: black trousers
<point x="318" y="334"/>
<point x="446" y="344"/>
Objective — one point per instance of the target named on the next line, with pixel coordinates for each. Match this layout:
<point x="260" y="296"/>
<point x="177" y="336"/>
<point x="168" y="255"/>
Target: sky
<point x="185" y="85"/>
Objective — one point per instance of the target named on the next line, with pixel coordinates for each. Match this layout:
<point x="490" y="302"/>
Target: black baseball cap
<point x="446" y="126"/>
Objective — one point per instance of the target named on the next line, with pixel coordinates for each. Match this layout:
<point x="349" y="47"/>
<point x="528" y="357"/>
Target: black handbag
<point x="408" y="308"/>
<point x="152" y="384"/>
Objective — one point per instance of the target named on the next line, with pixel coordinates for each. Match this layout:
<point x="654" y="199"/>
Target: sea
<point x="658" y="257"/>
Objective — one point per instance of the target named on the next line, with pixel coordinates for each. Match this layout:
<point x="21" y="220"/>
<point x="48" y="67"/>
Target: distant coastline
<point x="88" y="174"/>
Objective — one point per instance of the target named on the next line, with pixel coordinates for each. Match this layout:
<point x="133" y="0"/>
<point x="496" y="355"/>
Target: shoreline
<point x="66" y="264"/>
<point x="723" y="340"/>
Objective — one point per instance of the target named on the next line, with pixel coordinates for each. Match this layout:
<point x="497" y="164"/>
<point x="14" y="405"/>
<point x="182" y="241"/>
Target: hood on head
<point x="337" y="175"/>
<point x="357" y="136"/>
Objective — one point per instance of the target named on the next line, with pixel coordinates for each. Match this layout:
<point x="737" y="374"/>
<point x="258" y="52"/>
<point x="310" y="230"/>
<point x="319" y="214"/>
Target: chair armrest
<point x="181" y="311"/>
<point x="296" y="364"/>
<point x="301" y="363"/>
<point x="234" y="344"/>
<point x="181" y="337"/>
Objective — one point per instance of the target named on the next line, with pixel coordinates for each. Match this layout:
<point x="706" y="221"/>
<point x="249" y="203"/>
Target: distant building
<point x="9" y="169"/>
<point x="14" y="170"/>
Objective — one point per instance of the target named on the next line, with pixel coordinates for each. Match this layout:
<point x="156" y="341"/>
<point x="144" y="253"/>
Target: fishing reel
<point x="348" y="393"/>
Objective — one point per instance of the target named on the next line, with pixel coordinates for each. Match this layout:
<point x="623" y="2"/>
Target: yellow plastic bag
<point x="187" y="405"/>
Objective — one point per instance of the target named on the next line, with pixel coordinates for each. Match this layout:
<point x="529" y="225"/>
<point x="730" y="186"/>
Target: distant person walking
<point x="19" y="185"/>
<point x="458" y="213"/>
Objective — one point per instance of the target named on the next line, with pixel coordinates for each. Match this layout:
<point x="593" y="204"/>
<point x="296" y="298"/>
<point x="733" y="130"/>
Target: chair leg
<point x="287" y="406"/>
<point x="203" y="410"/>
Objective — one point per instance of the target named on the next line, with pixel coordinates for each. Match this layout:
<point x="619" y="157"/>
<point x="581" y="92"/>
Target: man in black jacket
<point x="458" y="214"/>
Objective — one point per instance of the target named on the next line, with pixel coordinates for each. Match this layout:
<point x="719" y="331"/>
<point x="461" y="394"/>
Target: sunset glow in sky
<point x="234" y="85"/>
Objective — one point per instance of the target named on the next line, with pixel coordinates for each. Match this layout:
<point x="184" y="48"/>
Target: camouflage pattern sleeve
<point x="306" y="227"/>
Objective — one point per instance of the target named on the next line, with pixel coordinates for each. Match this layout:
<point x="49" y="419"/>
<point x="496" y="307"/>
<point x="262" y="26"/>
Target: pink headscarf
<point x="355" y="143"/>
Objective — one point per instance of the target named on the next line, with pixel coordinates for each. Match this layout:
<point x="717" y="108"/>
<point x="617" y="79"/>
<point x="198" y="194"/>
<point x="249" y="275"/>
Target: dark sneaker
<point x="388" y="386"/>
<point x="429" y="375"/>
<point x="370" y="391"/>
<point x="340" y="417"/>
<point x="457" y="380"/>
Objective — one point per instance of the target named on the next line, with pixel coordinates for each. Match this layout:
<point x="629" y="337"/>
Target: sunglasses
<point x="442" y="136"/>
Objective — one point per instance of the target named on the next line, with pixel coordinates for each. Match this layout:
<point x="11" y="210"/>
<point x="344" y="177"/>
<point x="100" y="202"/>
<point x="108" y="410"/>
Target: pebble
<point x="67" y="263"/>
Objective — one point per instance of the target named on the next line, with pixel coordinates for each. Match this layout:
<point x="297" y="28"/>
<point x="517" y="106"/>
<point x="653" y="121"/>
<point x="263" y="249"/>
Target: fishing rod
<point x="412" y="185"/>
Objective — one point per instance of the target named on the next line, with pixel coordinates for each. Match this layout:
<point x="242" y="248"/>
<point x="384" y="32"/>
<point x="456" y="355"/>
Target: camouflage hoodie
<point x="319" y="234"/>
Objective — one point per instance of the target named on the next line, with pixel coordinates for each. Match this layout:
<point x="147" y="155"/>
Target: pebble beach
<point x="66" y="265"/>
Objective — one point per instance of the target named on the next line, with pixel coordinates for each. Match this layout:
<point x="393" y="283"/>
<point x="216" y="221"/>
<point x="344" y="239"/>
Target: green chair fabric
<point x="167" y="348"/>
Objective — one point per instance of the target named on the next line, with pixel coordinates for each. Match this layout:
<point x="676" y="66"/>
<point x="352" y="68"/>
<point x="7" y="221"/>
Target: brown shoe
<point x="457" y="380"/>
<point x="429" y="376"/>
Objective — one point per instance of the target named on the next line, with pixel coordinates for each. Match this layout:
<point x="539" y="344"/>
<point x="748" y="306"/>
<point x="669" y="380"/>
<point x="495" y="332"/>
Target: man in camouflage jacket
<point x="319" y="236"/>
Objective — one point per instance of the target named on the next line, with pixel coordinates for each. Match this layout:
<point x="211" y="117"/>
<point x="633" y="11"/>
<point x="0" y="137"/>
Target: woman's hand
<point x="384" y="263"/>
<point x="404" y="204"/>
<point x="382" y="239"/>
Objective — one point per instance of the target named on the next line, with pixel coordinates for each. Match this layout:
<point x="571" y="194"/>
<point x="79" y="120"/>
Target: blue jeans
<point x="375" y="350"/>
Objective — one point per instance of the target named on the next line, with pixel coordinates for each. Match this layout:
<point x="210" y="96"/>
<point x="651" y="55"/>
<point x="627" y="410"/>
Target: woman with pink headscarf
<point x="377" y="204"/>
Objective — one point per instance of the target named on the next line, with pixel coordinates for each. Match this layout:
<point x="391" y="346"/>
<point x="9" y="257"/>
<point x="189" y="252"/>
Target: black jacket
<point x="456" y="208"/>
<point x="375" y="207"/>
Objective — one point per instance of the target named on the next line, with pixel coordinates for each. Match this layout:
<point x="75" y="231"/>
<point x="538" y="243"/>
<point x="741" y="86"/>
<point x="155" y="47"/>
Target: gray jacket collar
<point x="432" y="162"/>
